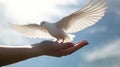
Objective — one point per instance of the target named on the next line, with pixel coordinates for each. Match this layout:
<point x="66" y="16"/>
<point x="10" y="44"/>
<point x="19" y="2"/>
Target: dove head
<point x="43" y="23"/>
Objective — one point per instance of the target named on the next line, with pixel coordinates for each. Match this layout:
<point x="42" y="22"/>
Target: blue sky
<point x="104" y="36"/>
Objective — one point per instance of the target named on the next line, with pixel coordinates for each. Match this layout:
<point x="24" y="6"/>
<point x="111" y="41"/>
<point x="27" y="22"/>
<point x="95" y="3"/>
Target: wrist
<point x="36" y="51"/>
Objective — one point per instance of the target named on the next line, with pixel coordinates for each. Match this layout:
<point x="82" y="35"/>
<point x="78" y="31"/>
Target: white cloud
<point x="9" y="36"/>
<point x="97" y="30"/>
<point x="111" y="49"/>
<point x="34" y="10"/>
<point x="117" y="11"/>
<point x="106" y="56"/>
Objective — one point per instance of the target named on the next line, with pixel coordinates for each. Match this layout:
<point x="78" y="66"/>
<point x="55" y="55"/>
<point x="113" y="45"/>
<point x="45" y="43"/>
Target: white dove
<point x="61" y="30"/>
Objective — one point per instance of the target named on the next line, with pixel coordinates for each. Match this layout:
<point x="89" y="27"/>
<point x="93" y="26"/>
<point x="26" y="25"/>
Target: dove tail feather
<point x="69" y="38"/>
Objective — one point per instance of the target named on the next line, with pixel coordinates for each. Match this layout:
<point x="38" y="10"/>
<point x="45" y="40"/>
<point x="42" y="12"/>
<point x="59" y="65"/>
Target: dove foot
<point x="56" y="42"/>
<point x="63" y="41"/>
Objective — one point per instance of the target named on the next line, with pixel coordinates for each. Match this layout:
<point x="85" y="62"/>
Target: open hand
<point x="58" y="49"/>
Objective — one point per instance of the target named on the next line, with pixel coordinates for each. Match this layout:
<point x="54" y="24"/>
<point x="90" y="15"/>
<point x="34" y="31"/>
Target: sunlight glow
<point x="33" y="9"/>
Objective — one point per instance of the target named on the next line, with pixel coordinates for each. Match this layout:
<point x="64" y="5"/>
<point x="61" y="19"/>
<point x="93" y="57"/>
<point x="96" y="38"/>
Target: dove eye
<point x="43" y="23"/>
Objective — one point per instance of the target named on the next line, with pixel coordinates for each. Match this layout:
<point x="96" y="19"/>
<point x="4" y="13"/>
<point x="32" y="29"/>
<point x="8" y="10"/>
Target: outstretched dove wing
<point x="84" y="17"/>
<point x="31" y="30"/>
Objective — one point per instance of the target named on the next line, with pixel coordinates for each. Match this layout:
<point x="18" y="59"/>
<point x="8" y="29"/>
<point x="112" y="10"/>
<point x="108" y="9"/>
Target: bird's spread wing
<point x="31" y="30"/>
<point x="84" y="17"/>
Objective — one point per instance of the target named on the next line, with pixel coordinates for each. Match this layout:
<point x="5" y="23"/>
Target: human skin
<point x="13" y="54"/>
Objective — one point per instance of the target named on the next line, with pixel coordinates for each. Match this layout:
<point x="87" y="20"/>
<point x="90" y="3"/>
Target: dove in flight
<point x="62" y="30"/>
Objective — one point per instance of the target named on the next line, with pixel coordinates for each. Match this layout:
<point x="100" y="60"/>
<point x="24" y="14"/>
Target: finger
<point x="83" y="42"/>
<point x="76" y="47"/>
<point x="67" y="45"/>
